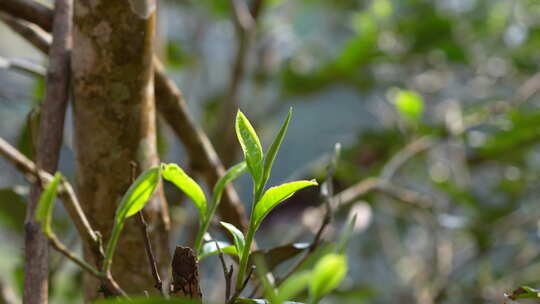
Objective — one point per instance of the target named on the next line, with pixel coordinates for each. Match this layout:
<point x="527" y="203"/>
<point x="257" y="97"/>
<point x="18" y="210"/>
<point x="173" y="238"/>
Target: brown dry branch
<point x="172" y="106"/>
<point x="49" y="143"/>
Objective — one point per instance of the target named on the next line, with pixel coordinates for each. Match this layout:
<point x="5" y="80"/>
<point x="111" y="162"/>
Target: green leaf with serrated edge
<point x="174" y="174"/>
<point x="238" y="236"/>
<point x="274" y="148"/>
<point x="132" y="202"/>
<point x="294" y="285"/>
<point x="251" y="147"/>
<point x="210" y="248"/>
<point x="46" y="204"/>
<point x="233" y="173"/>
<point x="327" y="275"/>
<point x="275" y="195"/>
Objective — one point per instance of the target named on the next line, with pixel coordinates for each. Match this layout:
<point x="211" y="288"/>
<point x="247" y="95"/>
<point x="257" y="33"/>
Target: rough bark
<point x="48" y="152"/>
<point x="114" y="118"/>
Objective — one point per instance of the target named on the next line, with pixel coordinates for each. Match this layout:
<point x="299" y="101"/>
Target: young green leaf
<point x="238" y="237"/>
<point x="274" y="148"/>
<point x="174" y="174"/>
<point x="292" y="286"/>
<point x="410" y="105"/>
<point x="210" y="248"/>
<point x="138" y="194"/>
<point x="46" y="204"/>
<point x="327" y="275"/>
<point x="275" y="195"/>
<point x="233" y="173"/>
<point x="133" y="201"/>
<point x="251" y="146"/>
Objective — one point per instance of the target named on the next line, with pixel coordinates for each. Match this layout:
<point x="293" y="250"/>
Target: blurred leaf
<point x="12" y="209"/>
<point x="524" y="292"/>
<point x="274" y="148"/>
<point x="410" y="105"/>
<point x="46" y="204"/>
<point x="251" y="146"/>
<point x="327" y="275"/>
<point x="277" y="255"/>
<point x="174" y="174"/>
<point x="294" y="285"/>
<point x="176" y="56"/>
<point x="238" y="236"/>
<point x="275" y="195"/>
<point x="210" y="248"/>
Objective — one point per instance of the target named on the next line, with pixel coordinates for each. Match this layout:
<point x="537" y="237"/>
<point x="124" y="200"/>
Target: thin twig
<point x="60" y="247"/>
<point x="31" y="11"/>
<point x="227" y="273"/>
<point x="237" y="293"/>
<point x="150" y="253"/>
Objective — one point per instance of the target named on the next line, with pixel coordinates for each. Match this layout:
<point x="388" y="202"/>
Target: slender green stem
<point x="111" y="246"/>
<point x="245" y="256"/>
<point x="200" y="234"/>
<point x="257" y="193"/>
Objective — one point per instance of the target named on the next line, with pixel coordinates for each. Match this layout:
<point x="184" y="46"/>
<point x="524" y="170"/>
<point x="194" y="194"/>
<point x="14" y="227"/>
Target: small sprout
<point x="238" y="237"/>
<point x="251" y="146"/>
<point x="46" y="204"/>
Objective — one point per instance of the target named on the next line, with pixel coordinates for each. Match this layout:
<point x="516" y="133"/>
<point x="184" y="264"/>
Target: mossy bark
<point x="114" y="119"/>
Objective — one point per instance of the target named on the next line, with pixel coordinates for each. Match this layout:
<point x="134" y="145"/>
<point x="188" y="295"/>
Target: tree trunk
<point x="114" y="125"/>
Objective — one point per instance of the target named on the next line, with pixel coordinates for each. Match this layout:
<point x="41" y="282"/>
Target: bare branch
<point x="29" y="31"/>
<point x="29" y="10"/>
<point x="50" y="138"/>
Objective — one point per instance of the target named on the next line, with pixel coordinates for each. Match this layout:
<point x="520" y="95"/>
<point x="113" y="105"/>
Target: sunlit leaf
<point x="138" y="194"/>
<point x="251" y="147"/>
<point x="327" y="275"/>
<point x="274" y="148"/>
<point x="231" y="174"/>
<point x="275" y="195"/>
<point x="238" y="236"/>
<point x="410" y="105"/>
<point x="524" y="292"/>
<point x="46" y="204"/>
<point x="133" y="201"/>
<point x="174" y="174"/>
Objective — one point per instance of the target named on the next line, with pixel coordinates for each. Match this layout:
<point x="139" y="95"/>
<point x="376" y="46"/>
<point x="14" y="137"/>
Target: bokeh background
<point x="435" y="100"/>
